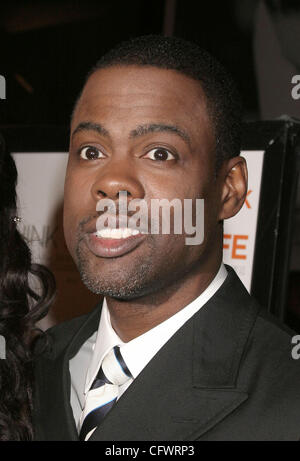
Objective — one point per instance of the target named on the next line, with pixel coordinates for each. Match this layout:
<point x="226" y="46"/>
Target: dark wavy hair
<point x="21" y="307"/>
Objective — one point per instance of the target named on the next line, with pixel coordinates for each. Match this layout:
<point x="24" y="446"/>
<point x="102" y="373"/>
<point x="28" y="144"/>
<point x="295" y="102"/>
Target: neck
<point x="132" y="318"/>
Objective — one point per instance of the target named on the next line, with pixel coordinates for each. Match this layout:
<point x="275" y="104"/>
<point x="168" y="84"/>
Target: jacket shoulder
<point x="269" y="350"/>
<point x="57" y="338"/>
<point x="269" y="329"/>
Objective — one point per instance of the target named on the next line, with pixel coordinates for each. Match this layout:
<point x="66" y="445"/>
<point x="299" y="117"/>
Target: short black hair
<point x="223" y="99"/>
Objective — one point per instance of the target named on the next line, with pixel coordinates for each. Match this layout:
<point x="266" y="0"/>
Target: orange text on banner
<point x="235" y="254"/>
<point x="247" y="203"/>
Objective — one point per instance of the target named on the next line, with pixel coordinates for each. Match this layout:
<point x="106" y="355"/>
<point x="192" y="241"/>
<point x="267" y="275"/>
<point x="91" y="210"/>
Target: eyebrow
<point x="90" y="126"/>
<point x="141" y="130"/>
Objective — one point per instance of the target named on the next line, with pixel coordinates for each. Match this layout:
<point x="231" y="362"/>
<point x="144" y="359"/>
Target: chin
<point x="125" y="284"/>
<point x="121" y="291"/>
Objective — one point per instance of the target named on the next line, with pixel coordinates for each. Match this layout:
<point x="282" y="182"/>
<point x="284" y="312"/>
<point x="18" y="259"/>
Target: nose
<point x="114" y="178"/>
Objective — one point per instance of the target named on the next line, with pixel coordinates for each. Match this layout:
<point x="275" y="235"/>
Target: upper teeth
<point x="116" y="233"/>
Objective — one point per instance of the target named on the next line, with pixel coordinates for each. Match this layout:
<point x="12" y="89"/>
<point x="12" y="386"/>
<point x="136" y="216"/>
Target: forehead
<point x="124" y="97"/>
<point x="131" y="77"/>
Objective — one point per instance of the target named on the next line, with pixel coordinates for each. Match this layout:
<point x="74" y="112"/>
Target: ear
<point x="234" y="188"/>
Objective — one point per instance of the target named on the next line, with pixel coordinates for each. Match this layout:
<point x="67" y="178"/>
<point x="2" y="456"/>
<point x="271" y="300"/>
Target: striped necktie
<point x="103" y="392"/>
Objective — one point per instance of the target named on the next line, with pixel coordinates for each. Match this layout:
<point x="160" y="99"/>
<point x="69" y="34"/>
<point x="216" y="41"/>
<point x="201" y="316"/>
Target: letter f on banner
<point x="2" y="87"/>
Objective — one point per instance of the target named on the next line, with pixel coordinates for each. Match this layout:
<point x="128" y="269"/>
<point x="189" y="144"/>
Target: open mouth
<point x="120" y="233"/>
<point x="114" y="242"/>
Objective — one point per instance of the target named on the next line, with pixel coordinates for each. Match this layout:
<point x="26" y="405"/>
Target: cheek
<point x="69" y="223"/>
<point x="171" y="187"/>
<point x="75" y="198"/>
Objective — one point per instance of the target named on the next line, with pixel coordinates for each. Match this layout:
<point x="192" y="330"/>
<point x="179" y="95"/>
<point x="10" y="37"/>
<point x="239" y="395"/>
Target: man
<point x="178" y="350"/>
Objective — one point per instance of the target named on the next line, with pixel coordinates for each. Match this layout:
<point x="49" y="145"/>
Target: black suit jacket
<point x="227" y="374"/>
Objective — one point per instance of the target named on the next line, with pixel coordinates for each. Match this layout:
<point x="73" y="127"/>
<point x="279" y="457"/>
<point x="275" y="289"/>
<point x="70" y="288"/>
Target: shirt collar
<point x="106" y="339"/>
<point x="139" y="351"/>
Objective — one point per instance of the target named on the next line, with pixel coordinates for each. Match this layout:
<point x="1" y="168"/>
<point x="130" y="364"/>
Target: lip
<point x="112" y="248"/>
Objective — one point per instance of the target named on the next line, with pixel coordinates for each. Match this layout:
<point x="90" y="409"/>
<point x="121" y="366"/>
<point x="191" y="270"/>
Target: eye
<point x="90" y="153"/>
<point x="160" y="153"/>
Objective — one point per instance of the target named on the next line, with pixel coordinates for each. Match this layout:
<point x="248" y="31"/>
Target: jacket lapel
<point x="192" y="383"/>
<point x="53" y="410"/>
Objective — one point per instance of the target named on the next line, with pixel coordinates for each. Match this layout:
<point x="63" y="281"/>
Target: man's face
<point x="145" y="131"/>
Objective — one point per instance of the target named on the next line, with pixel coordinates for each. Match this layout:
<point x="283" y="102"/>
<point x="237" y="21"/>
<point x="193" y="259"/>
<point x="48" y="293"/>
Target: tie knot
<point x="115" y="368"/>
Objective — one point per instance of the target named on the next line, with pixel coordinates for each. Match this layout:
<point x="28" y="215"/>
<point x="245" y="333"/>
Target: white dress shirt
<point x="85" y="365"/>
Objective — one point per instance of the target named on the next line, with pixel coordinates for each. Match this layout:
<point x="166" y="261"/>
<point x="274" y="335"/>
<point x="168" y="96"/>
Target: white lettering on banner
<point x="44" y="235"/>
